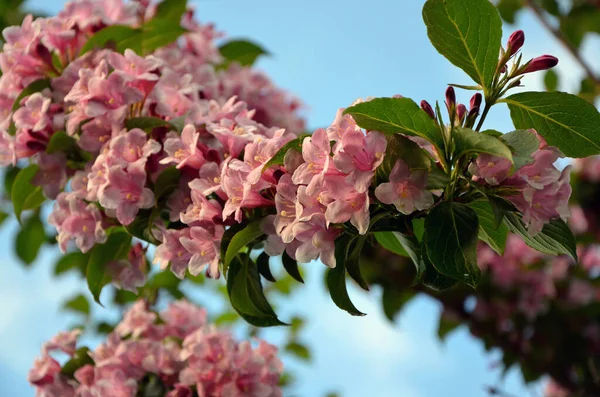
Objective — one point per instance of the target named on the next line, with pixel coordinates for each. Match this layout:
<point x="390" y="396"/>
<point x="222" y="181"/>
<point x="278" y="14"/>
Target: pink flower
<point x="52" y="175"/>
<point x="542" y="171"/>
<point x="316" y="151"/>
<point x="44" y="371"/>
<point x="287" y="207"/>
<point x="493" y="169"/>
<point x="359" y="156"/>
<point x="76" y="220"/>
<point x="209" y="180"/>
<point x="239" y="192"/>
<point x="126" y="193"/>
<point x="137" y="321"/>
<point x="183" y="150"/>
<point x="201" y="209"/>
<point x="234" y="136"/>
<point x="8" y="156"/>
<point x="34" y="114"/>
<point x="406" y="189"/>
<point x="316" y="241"/>
<point x="139" y="72"/>
<point x="204" y="247"/>
<point x="130" y="274"/>
<point x="344" y="204"/>
<point x="172" y="252"/>
<point x="64" y="341"/>
<point x="131" y="146"/>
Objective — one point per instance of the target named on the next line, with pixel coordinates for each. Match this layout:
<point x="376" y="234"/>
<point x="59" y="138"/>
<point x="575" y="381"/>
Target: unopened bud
<point x="428" y="109"/>
<point x="450" y="98"/>
<point x="543" y="62"/>
<point x="476" y="101"/>
<point x="461" y="112"/>
<point x="515" y="42"/>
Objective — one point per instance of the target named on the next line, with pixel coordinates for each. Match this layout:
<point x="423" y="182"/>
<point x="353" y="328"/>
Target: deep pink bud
<point x="476" y="101"/>
<point x="515" y="42"/>
<point x="428" y="109"/>
<point x="450" y="98"/>
<point x="543" y="62"/>
<point x="461" y="112"/>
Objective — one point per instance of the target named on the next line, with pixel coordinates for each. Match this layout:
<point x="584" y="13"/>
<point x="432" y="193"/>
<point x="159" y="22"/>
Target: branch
<point x="560" y="37"/>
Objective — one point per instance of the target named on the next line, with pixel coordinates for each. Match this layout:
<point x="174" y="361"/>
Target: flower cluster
<point x="212" y="123"/>
<point x="538" y="189"/>
<point x="178" y="349"/>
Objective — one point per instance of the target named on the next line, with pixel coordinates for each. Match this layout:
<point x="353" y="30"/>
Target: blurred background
<point x="328" y="53"/>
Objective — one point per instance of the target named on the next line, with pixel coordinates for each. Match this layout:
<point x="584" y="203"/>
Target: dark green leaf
<point x="551" y="80"/>
<point x="80" y="359"/>
<point x="552" y="7"/>
<point x="262" y="263"/>
<point x="393" y="300"/>
<point x="581" y="20"/>
<point x="468" y="141"/>
<point x="142" y="225"/>
<point x="3" y="217"/>
<point x="389" y="241"/>
<point x="508" y="9"/>
<point x="30" y="239"/>
<point x="246" y="293"/>
<point x="291" y="266"/>
<point x="115" y="248"/>
<point x="522" y="144"/>
<point x="278" y="158"/>
<point x="240" y="240"/>
<point x="566" y="121"/>
<point x="451" y="240"/>
<point x="72" y="260"/>
<point x="170" y="10"/>
<point x="437" y="178"/>
<point x="24" y="195"/>
<point x="32" y="88"/>
<point x="166" y="183"/>
<point x="243" y="52"/>
<point x="555" y="238"/>
<point x="148" y="123"/>
<point x="112" y="37"/>
<point x="468" y="34"/>
<point x="78" y="304"/>
<point x="434" y="279"/>
<point x="60" y="142"/>
<point x="299" y="350"/>
<point x="493" y="234"/>
<point x="10" y="174"/>
<point x="336" y="278"/>
<point x="446" y="325"/>
<point x="353" y="262"/>
<point x="400" y="147"/>
<point x="396" y="116"/>
<point x="166" y="280"/>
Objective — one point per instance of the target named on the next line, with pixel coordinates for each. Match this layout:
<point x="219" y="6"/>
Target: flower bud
<point x="461" y="112"/>
<point x="543" y="62"/>
<point x="428" y="109"/>
<point x="476" y="101"/>
<point x="450" y="98"/>
<point x="515" y="42"/>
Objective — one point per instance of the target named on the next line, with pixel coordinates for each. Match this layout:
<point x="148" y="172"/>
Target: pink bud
<point x="543" y="62"/>
<point x="450" y="98"/>
<point x="515" y="42"/>
<point x="428" y="109"/>
<point x="461" y="112"/>
<point x="476" y="101"/>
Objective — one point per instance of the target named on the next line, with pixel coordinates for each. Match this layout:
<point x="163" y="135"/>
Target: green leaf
<point x="468" y="34"/>
<point x="278" y="158"/>
<point x="32" y="88"/>
<point x="508" y="9"/>
<point x="80" y="359"/>
<point x="3" y="217"/>
<point x="78" y="304"/>
<point x="400" y="147"/>
<point x="226" y="318"/>
<point x="148" y="123"/>
<point x="246" y="294"/>
<point x="72" y="260"/>
<point x="166" y="280"/>
<point x="493" y="234"/>
<point x="24" y="195"/>
<point x="142" y="225"/>
<point x="353" y="262"/>
<point x="10" y="174"/>
<point x="336" y="278"/>
<point x="299" y="350"/>
<point x="111" y="37"/>
<point x="582" y="19"/>
<point x="262" y="263"/>
<point x="396" y="116"/>
<point x="468" y="141"/>
<point x="523" y="143"/>
<point x="566" y="121"/>
<point x="390" y="242"/>
<point x="30" y="239"/>
<point x="243" y="52"/>
<point x="166" y="183"/>
<point x="551" y="80"/>
<point x="240" y="240"/>
<point x="555" y="238"/>
<point x="437" y="178"/>
<point x="451" y="240"/>
<point x="393" y="300"/>
<point x="446" y="325"/>
<point x="434" y="279"/>
<point x="291" y="266"/>
<point x="170" y="10"/>
<point x="116" y="247"/>
<point x="60" y="142"/>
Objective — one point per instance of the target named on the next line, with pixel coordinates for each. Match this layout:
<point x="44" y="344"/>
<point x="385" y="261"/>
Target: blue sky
<point x="328" y="53"/>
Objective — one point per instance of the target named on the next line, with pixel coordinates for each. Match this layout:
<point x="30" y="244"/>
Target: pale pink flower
<point x="139" y="72"/>
<point x="172" y="252"/>
<point x="493" y="169"/>
<point x="126" y="193"/>
<point x="209" y="180"/>
<point x="201" y="209"/>
<point x="359" y="156"/>
<point x="541" y="172"/>
<point x="184" y="150"/>
<point x="204" y="246"/>
<point x="344" y="204"/>
<point x="131" y="146"/>
<point x="130" y="274"/>
<point x="232" y="135"/>
<point x="240" y="193"/>
<point x="136" y="322"/>
<point x="287" y="206"/>
<point x="33" y="115"/>
<point x="406" y="189"/>
<point x="316" y="241"/>
<point x="8" y="155"/>
<point x="316" y="151"/>
<point x="65" y="341"/>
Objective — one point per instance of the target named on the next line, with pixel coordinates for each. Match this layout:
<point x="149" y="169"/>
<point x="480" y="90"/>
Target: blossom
<point x="34" y="114"/>
<point x="406" y="189"/>
<point x="184" y="150"/>
<point x="316" y="152"/>
<point x="172" y="252"/>
<point x="204" y="247"/>
<point x="493" y="169"/>
<point x="131" y="146"/>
